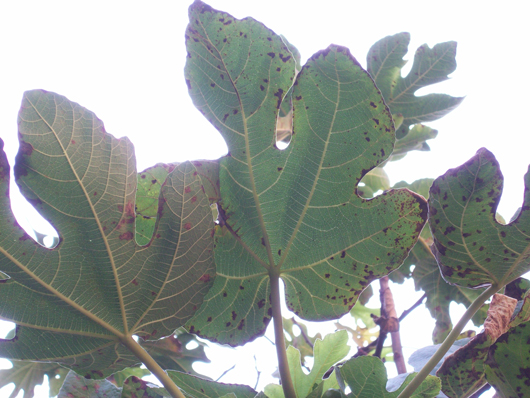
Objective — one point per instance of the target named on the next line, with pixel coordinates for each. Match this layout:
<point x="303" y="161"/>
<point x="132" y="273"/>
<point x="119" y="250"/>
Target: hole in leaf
<point x="192" y="345"/>
<point x="284" y="130"/>
<point x="32" y="222"/>
<point x="296" y="330"/>
<point x="7" y="329"/>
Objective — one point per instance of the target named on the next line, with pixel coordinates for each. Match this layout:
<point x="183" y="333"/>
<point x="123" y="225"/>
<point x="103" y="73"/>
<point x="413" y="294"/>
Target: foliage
<point x="302" y="196"/>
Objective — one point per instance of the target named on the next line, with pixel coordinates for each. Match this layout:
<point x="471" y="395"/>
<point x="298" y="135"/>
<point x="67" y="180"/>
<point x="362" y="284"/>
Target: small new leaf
<point x="367" y="378"/>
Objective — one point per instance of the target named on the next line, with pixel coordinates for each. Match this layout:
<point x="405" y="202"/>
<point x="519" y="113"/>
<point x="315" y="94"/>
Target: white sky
<point x="124" y="60"/>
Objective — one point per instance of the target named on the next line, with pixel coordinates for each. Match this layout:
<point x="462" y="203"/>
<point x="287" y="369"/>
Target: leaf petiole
<point x="448" y="342"/>
<point x="153" y="366"/>
<point x="279" y="339"/>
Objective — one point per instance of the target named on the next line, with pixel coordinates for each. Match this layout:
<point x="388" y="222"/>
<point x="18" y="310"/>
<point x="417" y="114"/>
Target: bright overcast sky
<point x="124" y="60"/>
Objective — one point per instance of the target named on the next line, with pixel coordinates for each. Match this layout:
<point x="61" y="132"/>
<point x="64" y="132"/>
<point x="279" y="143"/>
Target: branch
<point x="414" y="306"/>
<point x="303" y="333"/>
<point x="392" y="324"/>
<point x="225" y="372"/>
<point x="448" y="342"/>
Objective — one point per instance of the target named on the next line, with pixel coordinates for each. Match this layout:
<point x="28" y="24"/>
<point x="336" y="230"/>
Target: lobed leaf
<point x="327" y="352"/>
<point x="470" y="246"/>
<point x="462" y="373"/>
<point x="367" y="378"/>
<point x="27" y="375"/>
<point x="508" y="362"/>
<point x="430" y="66"/>
<point x="292" y="212"/>
<point x="75" y="303"/>
<point x="440" y="294"/>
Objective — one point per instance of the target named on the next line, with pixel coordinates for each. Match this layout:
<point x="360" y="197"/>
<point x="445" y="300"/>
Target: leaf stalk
<point x="448" y="342"/>
<point x="279" y="339"/>
<point x="153" y="366"/>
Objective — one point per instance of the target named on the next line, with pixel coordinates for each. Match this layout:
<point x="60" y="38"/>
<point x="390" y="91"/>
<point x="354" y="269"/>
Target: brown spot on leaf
<point x="271" y="54"/>
<point x="187" y="226"/>
<point x="205" y="278"/>
<point x="134" y="282"/>
<point x="187" y="189"/>
<point x="261" y="303"/>
<point x="126" y="236"/>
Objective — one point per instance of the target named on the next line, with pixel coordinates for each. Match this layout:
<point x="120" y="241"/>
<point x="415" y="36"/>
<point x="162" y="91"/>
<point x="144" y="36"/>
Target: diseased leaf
<point x="440" y="294"/>
<point x="119" y="378"/>
<point x="292" y="212"/>
<point x="135" y="387"/>
<point x="367" y="378"/>
<point x="74" y="383"/>
<point x="462" y="373"/>
<point x="470" y="246"/>
<point x="172" y="352"/>
<point x="149" y="183"/>
<point x="26" y="375"/>
<point x="76" y="303"/>
<point x="195" y="387"/>
<point x="508" y="363"/>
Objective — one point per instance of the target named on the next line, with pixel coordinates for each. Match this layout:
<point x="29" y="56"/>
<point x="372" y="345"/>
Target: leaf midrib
<point x="315" y="182"/>
<point x="413" y="84"/>
<point x="249" y="161"/>
<point x="52" y="290"/>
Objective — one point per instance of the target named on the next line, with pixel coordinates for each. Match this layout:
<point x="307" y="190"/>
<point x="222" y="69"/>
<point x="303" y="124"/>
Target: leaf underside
<point x="430" y="66"/>
<point x="294" y="211"/>
<point x="471" y="247"/>
<point x="74" y="303"/>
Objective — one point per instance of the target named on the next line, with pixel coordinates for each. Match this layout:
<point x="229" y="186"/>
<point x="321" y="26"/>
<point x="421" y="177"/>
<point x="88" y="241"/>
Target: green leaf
<point x="327" y="353"/>
<point x="415" y="140"/>
<point x="292" y="212"/>
<point x="149" y="183"/>
<point x="74" y="384"/>
<point x="302" y="342"/>
<point x="462" y="373"/>
<point x="440" y="294"/>
<point x="384" y="63"/>
<point x="375" y="180"/>
<point x="119" y="378"/>
<point x="26" y="375"/>
<point x="151" y="180"/>
<point x="172" y="352"/>
<point x="76" y="303"/>
<point x="195" y="387"/>
<point x="367" y="378"/>
<point x="471" y="247"/>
